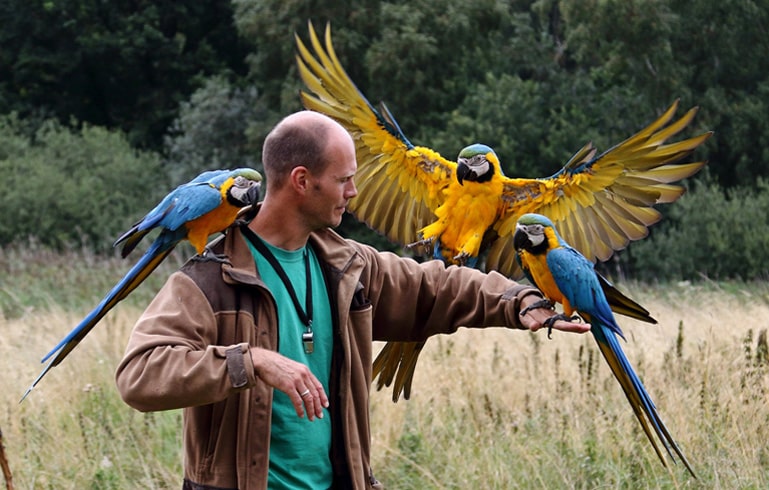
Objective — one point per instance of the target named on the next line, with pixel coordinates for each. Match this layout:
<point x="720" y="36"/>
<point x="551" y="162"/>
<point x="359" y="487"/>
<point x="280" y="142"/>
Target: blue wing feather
<point x="189" y="203"/>
<point x="576" y="279"/>
<point x="181" y="206"/>
<point x="211" y="177"/>
<point x="185" y="203"/>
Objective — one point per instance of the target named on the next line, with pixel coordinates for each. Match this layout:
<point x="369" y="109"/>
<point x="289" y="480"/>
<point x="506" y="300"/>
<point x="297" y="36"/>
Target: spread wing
<point x="599" y="204"/>
<point x="399" y="184"/>
<point x="185" y="203"/>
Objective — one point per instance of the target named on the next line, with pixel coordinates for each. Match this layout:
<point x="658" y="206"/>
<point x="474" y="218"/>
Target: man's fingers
<point x="565" y="326"/>
<point x="535" y="319"/>
<point x="312" y="399"/>
<point x="298" y="401"/>
<point x="315" y="400"/>
<point x="294" y="379"/>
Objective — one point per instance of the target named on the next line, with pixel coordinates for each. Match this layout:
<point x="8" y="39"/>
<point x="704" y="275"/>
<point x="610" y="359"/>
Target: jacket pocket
<point x="359" y="300"/>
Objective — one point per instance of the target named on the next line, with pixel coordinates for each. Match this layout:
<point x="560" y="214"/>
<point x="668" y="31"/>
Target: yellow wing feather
<point x="407" y="180"/>
<point x="602" y="203"/>
<point x="599" y="204"/>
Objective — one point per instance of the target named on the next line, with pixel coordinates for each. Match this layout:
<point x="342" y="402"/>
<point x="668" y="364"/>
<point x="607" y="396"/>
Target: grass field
<point x="489" y="409"/>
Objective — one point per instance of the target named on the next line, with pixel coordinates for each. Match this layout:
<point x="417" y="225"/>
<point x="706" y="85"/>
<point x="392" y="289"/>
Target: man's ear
<point x="299" y="179"/>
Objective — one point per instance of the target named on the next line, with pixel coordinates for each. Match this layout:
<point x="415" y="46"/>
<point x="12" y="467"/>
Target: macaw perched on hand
<point x="565" y="276"/>
<point x="465" y="209"/>
<point x="208" y="204"/>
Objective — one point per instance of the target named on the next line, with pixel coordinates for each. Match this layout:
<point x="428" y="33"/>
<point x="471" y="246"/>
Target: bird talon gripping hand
<point x="467" y="209"/>
<point x="565" y="276"/>
<point x="208" y="204"/>
<point x="543" y="303"/>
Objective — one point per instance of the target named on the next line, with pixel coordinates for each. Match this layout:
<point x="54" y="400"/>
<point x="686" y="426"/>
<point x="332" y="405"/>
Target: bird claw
<point x="560" y="316"/>
<point x="421" y="243"/>
<point x="207" y="256"/>
<point x="462" y="258"/>
<point x="543" y="303"/>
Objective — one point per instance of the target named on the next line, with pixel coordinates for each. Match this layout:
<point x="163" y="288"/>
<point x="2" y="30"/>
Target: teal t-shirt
<point x="299" y="449"/>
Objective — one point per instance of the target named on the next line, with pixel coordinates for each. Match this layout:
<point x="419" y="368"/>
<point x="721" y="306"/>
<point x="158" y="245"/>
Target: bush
<point x="212" y="130"/>
<point x="70" y="187"/>
<point x="709" y="232"/>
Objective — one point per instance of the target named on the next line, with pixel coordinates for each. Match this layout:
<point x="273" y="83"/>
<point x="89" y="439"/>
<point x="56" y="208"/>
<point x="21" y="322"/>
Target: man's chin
<point x="334" y="222"/>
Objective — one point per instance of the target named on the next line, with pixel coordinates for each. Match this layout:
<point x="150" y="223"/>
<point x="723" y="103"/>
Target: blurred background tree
<point x="198" y="84"/>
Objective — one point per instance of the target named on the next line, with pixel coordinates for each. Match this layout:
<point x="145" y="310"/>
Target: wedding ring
<point x="305" y="393"/>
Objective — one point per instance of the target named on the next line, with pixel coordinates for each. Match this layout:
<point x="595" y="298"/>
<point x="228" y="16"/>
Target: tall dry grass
<point x="74" y="431"/>
<point x="491" y="409"/>
<point x="507" y="409"/>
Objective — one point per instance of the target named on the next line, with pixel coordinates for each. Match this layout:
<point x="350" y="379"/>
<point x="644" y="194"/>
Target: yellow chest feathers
<point x="466" y="213"/>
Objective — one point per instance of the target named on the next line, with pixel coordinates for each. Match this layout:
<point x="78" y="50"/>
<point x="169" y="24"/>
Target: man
<point x="270" y="355"/>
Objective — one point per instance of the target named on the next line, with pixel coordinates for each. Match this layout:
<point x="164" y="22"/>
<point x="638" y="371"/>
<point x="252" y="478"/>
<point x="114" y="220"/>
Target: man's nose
<point x="352" y="191"/>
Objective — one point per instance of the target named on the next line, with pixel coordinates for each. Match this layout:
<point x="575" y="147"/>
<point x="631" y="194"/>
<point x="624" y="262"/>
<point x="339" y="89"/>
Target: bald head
<point x="299" y="139"/>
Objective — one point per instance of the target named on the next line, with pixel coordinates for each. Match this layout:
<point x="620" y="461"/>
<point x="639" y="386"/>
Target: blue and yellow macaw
<point x="208" y="204"/>
<point x="466" y="209"/>
<point x="565" y="276"/>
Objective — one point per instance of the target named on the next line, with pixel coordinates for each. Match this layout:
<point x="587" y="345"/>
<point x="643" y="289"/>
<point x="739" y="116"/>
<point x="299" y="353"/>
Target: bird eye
<point x="240" y="181"/>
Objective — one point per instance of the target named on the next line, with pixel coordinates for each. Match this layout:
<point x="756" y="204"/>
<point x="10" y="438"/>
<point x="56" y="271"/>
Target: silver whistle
<point x="307" y="340"/>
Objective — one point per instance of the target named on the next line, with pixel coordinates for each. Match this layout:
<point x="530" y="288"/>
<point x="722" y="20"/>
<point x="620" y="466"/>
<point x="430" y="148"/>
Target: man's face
<point x="331" y="190"/>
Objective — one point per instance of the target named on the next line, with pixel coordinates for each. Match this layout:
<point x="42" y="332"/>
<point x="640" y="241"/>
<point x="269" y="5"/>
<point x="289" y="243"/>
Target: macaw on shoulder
<point x="565" y="276"/>
<point x="466" y="209"/>
<point x="208" y="204"/>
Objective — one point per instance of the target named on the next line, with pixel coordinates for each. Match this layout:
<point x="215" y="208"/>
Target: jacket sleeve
<point x="412" y="301"/>
<point x="172" y="360"/>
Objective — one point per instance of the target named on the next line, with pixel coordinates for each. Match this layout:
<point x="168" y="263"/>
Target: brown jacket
<point x="190" y="349"/>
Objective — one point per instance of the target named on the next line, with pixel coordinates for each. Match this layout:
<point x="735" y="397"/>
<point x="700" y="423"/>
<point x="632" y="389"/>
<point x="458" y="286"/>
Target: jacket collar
<point x="331" y="248"/>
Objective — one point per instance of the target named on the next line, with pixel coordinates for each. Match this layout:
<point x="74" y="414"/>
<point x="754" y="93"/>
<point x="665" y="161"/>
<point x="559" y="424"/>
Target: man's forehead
<point x="341" y="171"/>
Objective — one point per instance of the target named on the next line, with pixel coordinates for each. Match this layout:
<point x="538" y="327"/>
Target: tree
<point x="712" y="232"/>
<point x="73" y="187"/>
<point x="123" y="65"/>
<point x="212" y="130"/>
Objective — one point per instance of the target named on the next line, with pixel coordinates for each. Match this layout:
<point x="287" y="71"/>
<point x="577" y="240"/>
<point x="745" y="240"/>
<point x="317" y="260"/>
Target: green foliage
<point x="270" y="25"/>
<point x="429" y="55"/>
<point x="69" y="188"/>
<point x="535" y="80"/>
<point x="121" y="65"/>
<point x="34" y="278"/>
<point x="710" y="233"/>
<point x="212" y="130"/>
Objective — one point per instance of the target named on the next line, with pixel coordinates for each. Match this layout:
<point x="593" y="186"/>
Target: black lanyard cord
<point x="262" y="248"/>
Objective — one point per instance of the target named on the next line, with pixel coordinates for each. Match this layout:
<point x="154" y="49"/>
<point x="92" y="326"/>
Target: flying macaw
<point x="208" y="204"/>
<point x="565" y="276"/>
<point x="468" y="208"/>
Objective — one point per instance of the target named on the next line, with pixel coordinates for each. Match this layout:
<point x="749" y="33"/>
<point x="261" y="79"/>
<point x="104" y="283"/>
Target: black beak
<point x="462" y="171"/>
<point x="252" y="196"/>
<point x="521" y="240"/>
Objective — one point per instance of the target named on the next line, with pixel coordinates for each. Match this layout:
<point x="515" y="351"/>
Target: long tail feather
<point x="396" y="362"/>
<point x="157" y="252"/>
<point x="636" y="393"/>
<point x="623" y="305"/>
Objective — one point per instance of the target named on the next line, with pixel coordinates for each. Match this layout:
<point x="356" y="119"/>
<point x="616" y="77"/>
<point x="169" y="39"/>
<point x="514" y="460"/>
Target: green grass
<point x="494" y="409"/>
<point x="74" y="431"/>
<point x="34" y="278"/>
